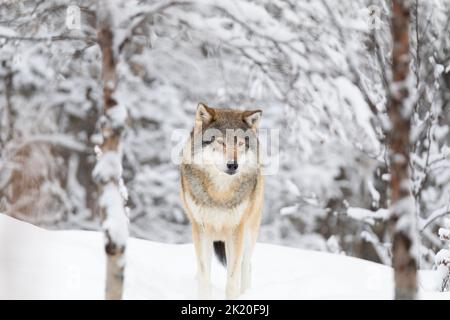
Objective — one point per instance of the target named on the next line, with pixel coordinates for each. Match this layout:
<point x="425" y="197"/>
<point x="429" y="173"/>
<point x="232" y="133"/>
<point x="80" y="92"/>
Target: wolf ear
<point x="252" y="118"/>
<point x="204" y="114"/>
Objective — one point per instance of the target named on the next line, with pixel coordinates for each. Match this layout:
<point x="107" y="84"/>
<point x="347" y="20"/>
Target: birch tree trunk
<point x="402" y="219"/>
<point x="108" y="170"/>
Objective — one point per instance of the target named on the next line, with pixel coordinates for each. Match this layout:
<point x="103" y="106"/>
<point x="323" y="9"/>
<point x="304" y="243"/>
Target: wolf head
<point x="225" y="141"/>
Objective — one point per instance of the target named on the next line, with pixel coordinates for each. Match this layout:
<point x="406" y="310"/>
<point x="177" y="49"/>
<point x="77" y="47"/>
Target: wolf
<point x="222" y="189"/>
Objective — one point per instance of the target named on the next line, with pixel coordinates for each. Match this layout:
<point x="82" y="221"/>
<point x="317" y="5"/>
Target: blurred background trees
<point x="318" y="70"/>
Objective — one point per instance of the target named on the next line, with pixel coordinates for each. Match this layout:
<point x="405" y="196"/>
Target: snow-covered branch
<point x="436" y="214"/>
<point x="366" y="215"/>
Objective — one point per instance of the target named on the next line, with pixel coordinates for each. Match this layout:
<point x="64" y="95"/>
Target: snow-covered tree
<point x="108" y="170"/>
<point x="320" y="71"/>
<point x="398" y="133"/>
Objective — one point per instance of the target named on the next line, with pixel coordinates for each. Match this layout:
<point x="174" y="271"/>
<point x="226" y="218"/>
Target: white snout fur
<point x="215" y="161"/>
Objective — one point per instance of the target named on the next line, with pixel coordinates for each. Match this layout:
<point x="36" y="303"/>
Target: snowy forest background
<point x="318" y="69"/>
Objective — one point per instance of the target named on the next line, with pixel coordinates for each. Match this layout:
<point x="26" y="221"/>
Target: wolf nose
<point x="232" y="165"/>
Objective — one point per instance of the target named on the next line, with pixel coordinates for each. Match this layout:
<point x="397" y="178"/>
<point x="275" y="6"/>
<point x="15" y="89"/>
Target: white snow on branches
<point x="367" y="215"/>
<point x="289" y="210"/>
<point x="442" y="257"/>
<point x="7" y="31"/>
<point x="444" y="234"/>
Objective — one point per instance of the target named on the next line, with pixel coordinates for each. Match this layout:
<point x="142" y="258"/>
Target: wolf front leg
<point x="235" y="251"/>
<point x="246" y="277"/>
<point x="203" y="249"/>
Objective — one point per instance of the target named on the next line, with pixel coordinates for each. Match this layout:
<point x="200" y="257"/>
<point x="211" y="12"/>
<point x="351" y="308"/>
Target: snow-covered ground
<point x="41" y="264"/>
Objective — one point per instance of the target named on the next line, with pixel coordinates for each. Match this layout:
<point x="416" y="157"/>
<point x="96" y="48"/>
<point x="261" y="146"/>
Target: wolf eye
<point x="206" y="142"/>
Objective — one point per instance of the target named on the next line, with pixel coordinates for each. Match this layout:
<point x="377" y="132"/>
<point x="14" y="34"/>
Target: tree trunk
<point x="402" y="220"/>
<point x="6" y="117"/>
<point x="108" y="170"/>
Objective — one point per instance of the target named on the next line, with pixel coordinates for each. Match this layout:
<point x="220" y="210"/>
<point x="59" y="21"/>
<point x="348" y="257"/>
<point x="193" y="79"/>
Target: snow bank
<point x="40" y="264"/>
